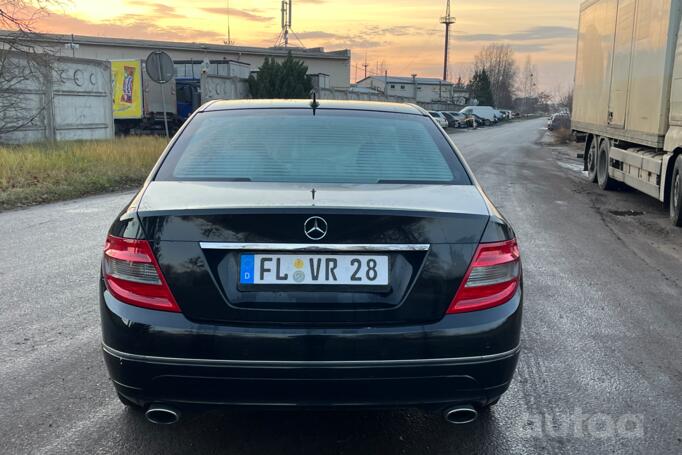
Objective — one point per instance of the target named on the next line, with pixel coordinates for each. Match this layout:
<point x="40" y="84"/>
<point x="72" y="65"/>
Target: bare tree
<point x="498" y="61"/>
<point x="19" y="17"/>
<point x="565" y="99"/>
<point x="527" y="87"/>
<point x="22" y="62"/>
<point x="528" y="80"/>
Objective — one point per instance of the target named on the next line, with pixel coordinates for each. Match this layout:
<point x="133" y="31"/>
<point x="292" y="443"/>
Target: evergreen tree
<point x="481" y="89"/>
<point x="288" y="80"/>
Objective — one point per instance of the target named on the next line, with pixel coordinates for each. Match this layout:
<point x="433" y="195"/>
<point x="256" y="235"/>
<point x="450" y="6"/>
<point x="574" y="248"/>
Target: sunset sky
<point x="403" y="34"/>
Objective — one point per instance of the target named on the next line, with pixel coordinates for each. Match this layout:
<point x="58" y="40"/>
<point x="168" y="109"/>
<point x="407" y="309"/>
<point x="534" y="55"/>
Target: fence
<point x="54" y="98"/>
<point x="223" y="88"/>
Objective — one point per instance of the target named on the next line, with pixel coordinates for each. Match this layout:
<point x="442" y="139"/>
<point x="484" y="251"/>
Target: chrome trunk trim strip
<point x="340" y="247"/>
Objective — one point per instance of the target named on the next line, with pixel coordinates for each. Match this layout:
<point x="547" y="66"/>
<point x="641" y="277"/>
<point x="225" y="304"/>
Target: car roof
<point x="226" y="105"/>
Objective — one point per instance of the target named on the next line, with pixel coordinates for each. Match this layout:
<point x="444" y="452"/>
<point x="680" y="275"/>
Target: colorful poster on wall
<point x="127" y="89"/>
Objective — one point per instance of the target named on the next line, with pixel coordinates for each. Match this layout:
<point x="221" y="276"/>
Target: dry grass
<point x="36" y="173"/>
<point x="563" y="136"/>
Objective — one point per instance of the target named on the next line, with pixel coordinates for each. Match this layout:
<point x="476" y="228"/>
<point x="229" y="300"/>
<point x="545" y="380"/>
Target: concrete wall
<point x="223" y="88"/>
<point x="65" y="99"/>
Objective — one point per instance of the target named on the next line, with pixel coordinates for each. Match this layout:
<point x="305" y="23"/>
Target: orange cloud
<point x="404" y="36"/>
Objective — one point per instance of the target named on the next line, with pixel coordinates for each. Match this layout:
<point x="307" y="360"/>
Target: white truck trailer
<point x="628" y="96"/>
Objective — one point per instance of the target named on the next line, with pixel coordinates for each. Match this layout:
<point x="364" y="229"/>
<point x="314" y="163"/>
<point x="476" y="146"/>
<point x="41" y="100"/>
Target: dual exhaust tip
<point x="460" y="415"/>
<point x="166" y="415"/>
<point x="161" y="414"/>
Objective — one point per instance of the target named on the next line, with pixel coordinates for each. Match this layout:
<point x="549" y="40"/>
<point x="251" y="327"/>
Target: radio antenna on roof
<point x="314" y="104"/>
<point x="229" y="41"/>
<point x="287" y="20"/>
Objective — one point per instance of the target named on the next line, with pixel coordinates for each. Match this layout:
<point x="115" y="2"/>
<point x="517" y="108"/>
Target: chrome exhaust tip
<point x="460" y="415"/>
<point x="162" y="415"/>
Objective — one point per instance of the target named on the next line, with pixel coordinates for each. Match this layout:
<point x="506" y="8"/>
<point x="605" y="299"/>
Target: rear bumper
<point x="423" y="383"/>
<point x="163" y="357"/>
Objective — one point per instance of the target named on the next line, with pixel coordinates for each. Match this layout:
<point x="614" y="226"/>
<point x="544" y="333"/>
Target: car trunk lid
<point x="200" y="233"/>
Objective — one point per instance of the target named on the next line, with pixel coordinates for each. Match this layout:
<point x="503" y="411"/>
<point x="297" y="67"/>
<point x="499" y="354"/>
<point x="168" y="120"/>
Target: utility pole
<point x="386" y="84"/>
<point x="447" y="20"/>
<point x="414" y="83"/>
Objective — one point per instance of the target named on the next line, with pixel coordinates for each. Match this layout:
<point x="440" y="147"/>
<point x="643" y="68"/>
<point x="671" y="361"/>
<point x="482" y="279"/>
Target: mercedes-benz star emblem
<point x="315" y="228"/>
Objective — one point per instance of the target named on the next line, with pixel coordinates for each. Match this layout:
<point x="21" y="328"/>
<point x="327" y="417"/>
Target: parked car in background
<point x="452" y="123"/>
<point x="480" y="121"/>
<point x="439" y="118"/>
<point x="559" y="121"/>
<point x="506" y="113"/>
<point x="500" y="116"/>
<point x="473" y="121"/>
<point x="461" y="119"/>
<point x="484" y="112"/>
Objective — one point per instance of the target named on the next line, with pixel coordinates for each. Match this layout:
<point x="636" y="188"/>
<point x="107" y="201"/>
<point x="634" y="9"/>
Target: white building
<point x="334" y="64"/>
<point x="423" y="89"/>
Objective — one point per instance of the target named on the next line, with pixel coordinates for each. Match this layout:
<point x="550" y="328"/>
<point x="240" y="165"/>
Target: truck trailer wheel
<point x="676" y="193"/>
<point x="605" y="182"/>
<point x="591" y="160"/>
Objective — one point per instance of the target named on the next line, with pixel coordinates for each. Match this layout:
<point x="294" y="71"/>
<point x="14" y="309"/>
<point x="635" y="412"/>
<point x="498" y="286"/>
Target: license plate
<point x="313" y="269"/>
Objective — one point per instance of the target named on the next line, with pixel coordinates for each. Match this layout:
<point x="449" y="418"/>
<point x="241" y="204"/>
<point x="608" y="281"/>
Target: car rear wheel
<point x="605" y="182"/>
<point x="591" y="160"/>
<point x="676" y="193"/>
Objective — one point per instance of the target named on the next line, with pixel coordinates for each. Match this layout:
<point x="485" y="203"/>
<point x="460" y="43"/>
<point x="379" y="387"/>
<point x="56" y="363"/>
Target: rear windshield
<point x="293" y="145"/>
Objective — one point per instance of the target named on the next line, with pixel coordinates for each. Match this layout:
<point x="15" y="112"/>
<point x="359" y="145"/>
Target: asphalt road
<point x="601" y="369"/>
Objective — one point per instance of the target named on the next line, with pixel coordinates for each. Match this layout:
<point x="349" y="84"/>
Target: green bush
<point x="286" y="80"/>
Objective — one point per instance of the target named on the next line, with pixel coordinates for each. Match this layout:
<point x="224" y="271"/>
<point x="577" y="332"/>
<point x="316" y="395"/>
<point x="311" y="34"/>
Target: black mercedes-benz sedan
<point x="311" y="254"/>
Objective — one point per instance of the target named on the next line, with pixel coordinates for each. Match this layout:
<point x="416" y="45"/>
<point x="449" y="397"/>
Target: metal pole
<point x="447" y="38"/>
<point x="386" y="84"/>
<point x="163" y="98"/>
<point x="414" y="82"/>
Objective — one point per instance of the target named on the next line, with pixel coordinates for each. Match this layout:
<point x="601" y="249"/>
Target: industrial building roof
<point x="317" y="52"/>
<point x="408" y="80"/>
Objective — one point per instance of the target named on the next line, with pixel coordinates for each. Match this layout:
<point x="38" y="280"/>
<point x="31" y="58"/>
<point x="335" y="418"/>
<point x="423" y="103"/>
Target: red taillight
<point x="132" y="275"/>
<point x="492" y="278"/>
